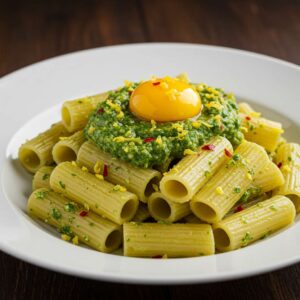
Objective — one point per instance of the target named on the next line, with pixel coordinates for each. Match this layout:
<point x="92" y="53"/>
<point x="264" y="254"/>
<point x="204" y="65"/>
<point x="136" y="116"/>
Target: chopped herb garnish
<point x="46" y="176"/>
<point x="66" y="229"/>
<point x="273" y="207"/>
<point x="72" y="174"/>
<point x="55" y="214"/>
<point x="86" y="238"/>
<point x="206" y="173"/>
<point x="63" y="186"/>
<point x="289" y="158"/>
<point x="247" y="238"/>
<point x="244" y="220"/>
<point x="41" y="194"/>
<point x="70" y="207"/>
<point x="91" y="224"/>
<point x="236" y="157"/>
<point x="237" y="189"/>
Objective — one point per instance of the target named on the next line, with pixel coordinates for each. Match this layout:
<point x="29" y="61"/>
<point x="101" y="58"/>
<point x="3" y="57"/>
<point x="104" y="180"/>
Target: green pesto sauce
<point x="105" y="124"/>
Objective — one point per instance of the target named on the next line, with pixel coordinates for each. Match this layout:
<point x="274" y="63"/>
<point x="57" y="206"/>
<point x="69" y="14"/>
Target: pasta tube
<point x="162" y="209"/>
<point x="37" y="152"/>
<point x="67" y="149"/>
<point x="183" y="181"/>
<point x="246" y="109"/>
<point x="75" y="113"/>
<point x="41" y="178"/>
<point x="268" y="178"/>
<point x="141" y="182"/>
<point x="262" y="131"/>
<point x="141" y="214"/>
<point x="288" y="159"/>
<point x="254" y="223"/>
<point x="102" y="197"/>
<point x="220" y="194"/>
<point x="73" y="221"/>
<point x="168" y="240"/>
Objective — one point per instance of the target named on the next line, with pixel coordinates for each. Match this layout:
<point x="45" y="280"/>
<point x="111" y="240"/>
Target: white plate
<point x="32" y="97"/>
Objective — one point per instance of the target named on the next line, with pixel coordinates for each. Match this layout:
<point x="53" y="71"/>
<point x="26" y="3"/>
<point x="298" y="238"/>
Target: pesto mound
<point x="114" y="129"/>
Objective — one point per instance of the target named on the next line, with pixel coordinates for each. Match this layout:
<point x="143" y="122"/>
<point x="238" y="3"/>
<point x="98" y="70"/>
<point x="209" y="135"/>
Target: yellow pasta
<point x="142" y="182"/>
<point x="167" y="240"/>
<point x="75" y="113"/>
<point x="262" y="131"/>
<point x="254" y="223"/>
<point x="246" y="109"/>
<point x="73" y="221"/>
<point x="108" y="200"/>
<point x="163" y="209"/>
<point x="183" y="181"/>
<point x="41" y="178"/>
<point x="220" y="194"/>
<point x="288" y="159"/>
<point x="37" y="152"/>
<point x="141" y="214"/>
<point x="268" y="178"/>
<point x="67" y="148"/>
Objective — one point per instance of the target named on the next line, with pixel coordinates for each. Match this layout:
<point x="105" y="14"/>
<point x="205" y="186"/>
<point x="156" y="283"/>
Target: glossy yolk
<point x="167" y="99"/>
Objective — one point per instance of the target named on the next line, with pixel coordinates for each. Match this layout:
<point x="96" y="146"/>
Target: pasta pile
<point x="216" y="198"/>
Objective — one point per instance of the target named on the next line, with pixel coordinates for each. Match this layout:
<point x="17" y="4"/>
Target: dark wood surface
<point x="31" y="31"/>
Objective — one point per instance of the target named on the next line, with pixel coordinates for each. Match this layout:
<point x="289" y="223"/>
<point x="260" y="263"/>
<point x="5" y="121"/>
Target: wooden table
<point x="31" y="31"/>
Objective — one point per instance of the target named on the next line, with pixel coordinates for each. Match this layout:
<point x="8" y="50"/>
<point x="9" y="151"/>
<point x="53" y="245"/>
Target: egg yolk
<point x="163" y="100"/>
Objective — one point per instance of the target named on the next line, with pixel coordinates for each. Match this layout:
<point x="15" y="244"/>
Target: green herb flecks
<point x="55" y="214"/>
<point x="70" y="207"/>
<point x="247" y="239"/>
<point x="63" y="186"/>
<point x="46" y="176"/>
<point x="41" y="194"/>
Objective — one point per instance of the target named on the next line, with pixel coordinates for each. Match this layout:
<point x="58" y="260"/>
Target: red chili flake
<point x="149" y="139"/>
<point x="105" y="171"/>
<point x="156" y="83"/>
<point x="239" y="208"/>
<point x="100" y="111"/>
<point x="130" y="92"/>
<point x="157" y="256"/>
<point x="83" y="213"/>
<point x="209" y="147"/>
<point x="248" y="118"/>
<point x="228" y="153"/>
<point x="279" y="165"/>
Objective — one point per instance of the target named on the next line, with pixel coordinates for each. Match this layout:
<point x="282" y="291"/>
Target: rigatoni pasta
<point x="37" y="152"/>
<point x="110" y="201"/>
<point x="220" y="194"/>
<point x="268" y="178"/>
<point x="74" y="222"/>
<point x="264" y="132"/>
<point x="141" y="214"/>
<point x="168" y="240"/>
<point x="182" y="182"/>
<point x="142" y="182"/>
<point x="254" y="223"/>
<point x="288" y="161"/>
<point x="163" y="209"/>
<point x="41" y="178"/>
<point x="67" y="148"/>
<point x="75" y="113"/>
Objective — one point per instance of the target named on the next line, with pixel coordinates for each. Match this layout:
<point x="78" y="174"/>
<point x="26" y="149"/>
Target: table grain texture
<point x="31" y="31"/>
